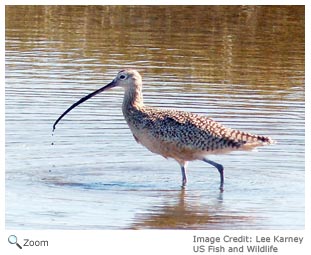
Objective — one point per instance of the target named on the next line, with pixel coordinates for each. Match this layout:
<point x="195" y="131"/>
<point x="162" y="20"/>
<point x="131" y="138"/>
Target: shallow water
<point x="243" y="66"/>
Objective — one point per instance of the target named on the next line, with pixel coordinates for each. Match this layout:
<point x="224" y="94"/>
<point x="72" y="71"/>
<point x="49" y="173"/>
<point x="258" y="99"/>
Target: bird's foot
<point x="221" y="188"/>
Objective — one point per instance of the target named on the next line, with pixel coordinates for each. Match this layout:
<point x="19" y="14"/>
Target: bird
<point x="181" y="135"/>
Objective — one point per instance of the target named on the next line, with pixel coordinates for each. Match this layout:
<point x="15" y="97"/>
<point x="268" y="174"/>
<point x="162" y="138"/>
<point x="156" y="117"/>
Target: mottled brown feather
<point x="178" y="134"/>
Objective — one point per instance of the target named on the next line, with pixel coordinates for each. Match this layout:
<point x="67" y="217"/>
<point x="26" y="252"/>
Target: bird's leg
<point x="184" y="176"/>
<point x="220" y="169"/>
<point x="183" y="167"/>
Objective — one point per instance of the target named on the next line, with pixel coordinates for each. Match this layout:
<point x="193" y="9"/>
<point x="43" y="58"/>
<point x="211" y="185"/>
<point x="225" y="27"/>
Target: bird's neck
<point x="133" y="98"/>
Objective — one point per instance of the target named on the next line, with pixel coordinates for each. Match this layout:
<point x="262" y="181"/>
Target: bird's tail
<point x="249" y="140"/>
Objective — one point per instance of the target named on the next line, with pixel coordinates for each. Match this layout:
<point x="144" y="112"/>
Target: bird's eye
<point x="122" y="77"/>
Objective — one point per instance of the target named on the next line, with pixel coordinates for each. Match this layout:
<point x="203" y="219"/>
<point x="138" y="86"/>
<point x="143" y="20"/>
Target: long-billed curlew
<point x="183" y="136"/>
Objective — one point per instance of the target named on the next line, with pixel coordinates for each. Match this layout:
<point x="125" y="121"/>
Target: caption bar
<point x="242" y="243"/>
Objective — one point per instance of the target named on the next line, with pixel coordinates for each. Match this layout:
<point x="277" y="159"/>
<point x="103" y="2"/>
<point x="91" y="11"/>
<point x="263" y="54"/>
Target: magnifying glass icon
<point x="13" y="240"/>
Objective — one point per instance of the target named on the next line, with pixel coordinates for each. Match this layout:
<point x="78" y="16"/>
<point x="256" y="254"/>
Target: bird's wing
<point x="198" y="131"/>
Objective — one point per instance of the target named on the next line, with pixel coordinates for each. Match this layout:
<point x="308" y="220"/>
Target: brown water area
<point x="243" y="66"/>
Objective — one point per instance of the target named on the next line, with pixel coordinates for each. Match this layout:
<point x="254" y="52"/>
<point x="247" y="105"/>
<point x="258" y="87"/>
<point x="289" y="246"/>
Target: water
<point x="243" y="66"/>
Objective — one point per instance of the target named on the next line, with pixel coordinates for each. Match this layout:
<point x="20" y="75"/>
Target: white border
<point x="143" y="242"/>
<point x="158" y="2"/>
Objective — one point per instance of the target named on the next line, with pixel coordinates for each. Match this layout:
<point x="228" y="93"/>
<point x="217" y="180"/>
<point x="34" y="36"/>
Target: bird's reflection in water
<point x="188" y="211"/>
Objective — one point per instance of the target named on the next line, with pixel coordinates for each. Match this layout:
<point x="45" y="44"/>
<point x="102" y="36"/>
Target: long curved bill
<point x="83" y="99"/>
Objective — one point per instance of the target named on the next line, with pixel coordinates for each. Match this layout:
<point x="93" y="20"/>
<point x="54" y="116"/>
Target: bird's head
<point x="127" y="79"/>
